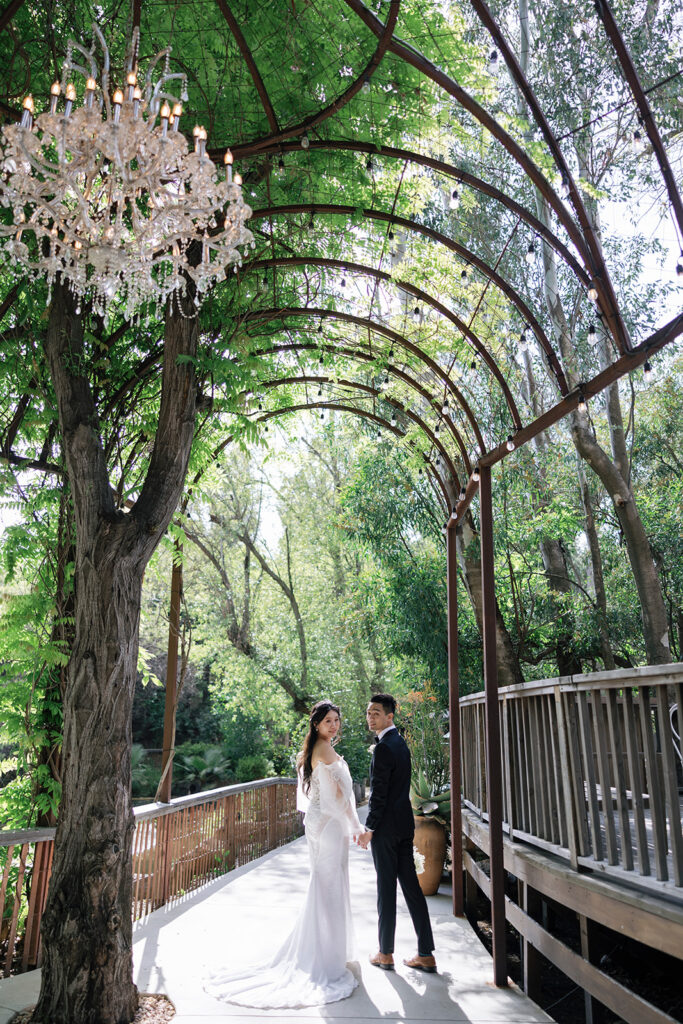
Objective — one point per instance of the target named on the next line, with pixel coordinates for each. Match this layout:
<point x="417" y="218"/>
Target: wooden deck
<point x="240" y="917"/>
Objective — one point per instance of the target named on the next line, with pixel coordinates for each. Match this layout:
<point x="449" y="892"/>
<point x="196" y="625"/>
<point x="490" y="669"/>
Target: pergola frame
<point x="588" y="266"/>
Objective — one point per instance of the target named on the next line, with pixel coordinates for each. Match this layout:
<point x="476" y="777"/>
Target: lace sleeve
<point x="336" y="795"/>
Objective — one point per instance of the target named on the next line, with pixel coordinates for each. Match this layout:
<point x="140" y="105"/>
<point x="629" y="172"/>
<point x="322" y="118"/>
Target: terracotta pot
<point x="430" y="841"/>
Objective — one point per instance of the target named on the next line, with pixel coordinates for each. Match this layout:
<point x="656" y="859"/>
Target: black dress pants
<point x="394" y="861"/>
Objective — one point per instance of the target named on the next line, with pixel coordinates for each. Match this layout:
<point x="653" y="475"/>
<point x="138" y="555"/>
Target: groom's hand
<point x="364" y="839"/>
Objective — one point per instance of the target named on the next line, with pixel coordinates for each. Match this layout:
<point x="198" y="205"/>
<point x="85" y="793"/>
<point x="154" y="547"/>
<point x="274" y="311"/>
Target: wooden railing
<point x="591" y="769"/>
<point x="177" y="847"/>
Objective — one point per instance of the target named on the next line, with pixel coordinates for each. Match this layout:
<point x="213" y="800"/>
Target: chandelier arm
<point x="9" y="12"/>
<point x="150" y="69"/>
<point x="105" y="64"/>
<point x="160" y="94"/>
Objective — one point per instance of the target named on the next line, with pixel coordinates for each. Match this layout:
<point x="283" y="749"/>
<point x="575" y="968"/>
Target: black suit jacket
<point x="390" y="810"/>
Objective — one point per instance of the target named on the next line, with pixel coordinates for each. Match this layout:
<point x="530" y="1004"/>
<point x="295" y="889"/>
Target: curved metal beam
<point x="384" y="36"/>
<point x="293" y="261"/>
<point x="387" y="332"/>
<point x="251" y="64"/>
<point x="366" y="414"/>
<point x="365" y="357"/>
<point x="601" y="277"/>
<point x="599" y="271"/>
<point x="644" y="108"/>
<point x="448" y="243"/>
<point x="376" y="393"/>
<point x="461" y="175"/>
<point x="9" y="12"/>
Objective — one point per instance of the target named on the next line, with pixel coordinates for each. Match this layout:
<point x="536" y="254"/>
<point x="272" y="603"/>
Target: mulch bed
<point x="153" y="1009"/>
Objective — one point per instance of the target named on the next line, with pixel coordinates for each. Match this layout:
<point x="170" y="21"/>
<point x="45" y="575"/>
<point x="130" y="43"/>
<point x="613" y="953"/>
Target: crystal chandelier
<point x="109" y="195"/>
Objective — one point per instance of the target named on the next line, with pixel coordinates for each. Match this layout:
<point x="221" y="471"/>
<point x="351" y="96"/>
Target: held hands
<point x="363" y="839"/>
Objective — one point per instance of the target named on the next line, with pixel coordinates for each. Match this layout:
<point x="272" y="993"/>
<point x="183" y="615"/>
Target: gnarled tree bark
<point x="87" y="973"/>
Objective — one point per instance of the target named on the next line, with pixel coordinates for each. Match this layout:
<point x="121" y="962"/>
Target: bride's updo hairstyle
<point x="305" y="755"/>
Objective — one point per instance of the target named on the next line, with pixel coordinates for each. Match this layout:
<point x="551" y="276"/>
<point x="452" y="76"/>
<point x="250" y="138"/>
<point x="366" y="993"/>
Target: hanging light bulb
<point x="463" y="494"/>
<point x="310" y="227"/>
<point x="322" y="359"/>
<point x="366" y="85"/>
<point x="637" y="141"/>
<point x="463" y="274"/>
<point x="454" y="512"/>
<point x="416" y="312"/>
<point x="592" y="292"/>
<point x="647" y="371"/>
<point x="437" y="460"/>
<point x="473" y="365"/>
<point x="419" y="471"/>
<point x="531" y="253"/>
<point x="679" y="266"/>
<point x="582" y="404"/>
<point x="263" y="286"/>
<point x="592" y="333"/>
<point x="378" y="435"/>
<point x="394" y="421"/>
<point x="445" y="408"/>
<point x="523" y="340"/>
<point x="343" y="282"/>
<point x="385" y="382"/>
<point x="305" y="141"/>
<point x="320" y="327"/>
<point x="280" y="167"/>
<point x="320" y="391"/>
<point x="475" y="474"/>
<point x="369" y="166"/>
<point x="437" y="430"/>
<point x="510" y="443"/>
<point x="454" y="201"/>
<point x="493" y="61"/>
<point x="322" y="414"/>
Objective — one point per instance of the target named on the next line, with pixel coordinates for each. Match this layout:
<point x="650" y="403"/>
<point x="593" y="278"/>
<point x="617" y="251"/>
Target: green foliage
<point x="253" y="766"/>
<point x="424" y="722"/>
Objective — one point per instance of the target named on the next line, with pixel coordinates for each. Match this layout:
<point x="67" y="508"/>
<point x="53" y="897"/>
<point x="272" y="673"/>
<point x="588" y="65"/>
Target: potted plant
<point x="432" y="820"/>
<point x="423" y="720"/>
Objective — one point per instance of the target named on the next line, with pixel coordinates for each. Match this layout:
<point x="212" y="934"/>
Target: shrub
<point x="254" y="766"/>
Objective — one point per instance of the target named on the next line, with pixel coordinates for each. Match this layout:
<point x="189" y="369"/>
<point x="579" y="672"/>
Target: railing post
<point x="494" y="784"/>
<point x="565" y="767"/>
<point x="271" y="840"/>
<point x="454" y="721"/>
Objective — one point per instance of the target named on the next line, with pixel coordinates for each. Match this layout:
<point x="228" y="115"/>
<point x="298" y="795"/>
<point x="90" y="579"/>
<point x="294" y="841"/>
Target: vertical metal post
<point x="454" y="720"/>
<point x="168" y="743"/>
<point x="494" y="774"/>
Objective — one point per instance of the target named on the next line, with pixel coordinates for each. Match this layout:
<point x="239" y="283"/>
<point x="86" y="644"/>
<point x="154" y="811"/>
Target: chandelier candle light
<point x="112" y="194"/>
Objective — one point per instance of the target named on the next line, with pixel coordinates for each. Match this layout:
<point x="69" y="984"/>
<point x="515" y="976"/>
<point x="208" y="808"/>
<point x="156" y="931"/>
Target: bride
<point x="310" y="968"/>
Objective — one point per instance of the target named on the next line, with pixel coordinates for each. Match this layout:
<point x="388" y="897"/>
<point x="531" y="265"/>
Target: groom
<point x="390" y="827"/>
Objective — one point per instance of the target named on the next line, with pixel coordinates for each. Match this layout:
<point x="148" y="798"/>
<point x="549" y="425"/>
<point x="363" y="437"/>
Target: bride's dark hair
<point x="305" y="755"/>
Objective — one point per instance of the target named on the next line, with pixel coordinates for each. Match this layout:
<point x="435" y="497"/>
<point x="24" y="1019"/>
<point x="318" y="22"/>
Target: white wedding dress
<point x="310" y="968"/>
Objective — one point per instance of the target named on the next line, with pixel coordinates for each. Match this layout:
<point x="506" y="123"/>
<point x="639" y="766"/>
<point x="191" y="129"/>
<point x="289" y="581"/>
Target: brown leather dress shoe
<point x="422" y="963"/>
<point x="385" y="961"/>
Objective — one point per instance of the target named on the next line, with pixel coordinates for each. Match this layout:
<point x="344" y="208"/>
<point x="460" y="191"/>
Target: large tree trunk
<point x="612" y="474"/>
<point x="87" y="975"/>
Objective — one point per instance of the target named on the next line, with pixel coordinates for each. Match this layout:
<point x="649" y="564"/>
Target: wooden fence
<point x="177" y="847"/>
<point x="591" y="769"/>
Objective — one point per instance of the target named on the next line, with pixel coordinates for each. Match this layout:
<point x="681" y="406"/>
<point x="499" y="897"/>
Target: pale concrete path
<point x="243" y="916"/>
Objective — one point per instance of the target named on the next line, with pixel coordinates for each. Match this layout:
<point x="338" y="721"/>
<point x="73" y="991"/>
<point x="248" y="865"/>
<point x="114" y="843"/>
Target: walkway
<point x="243" y="915"/>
